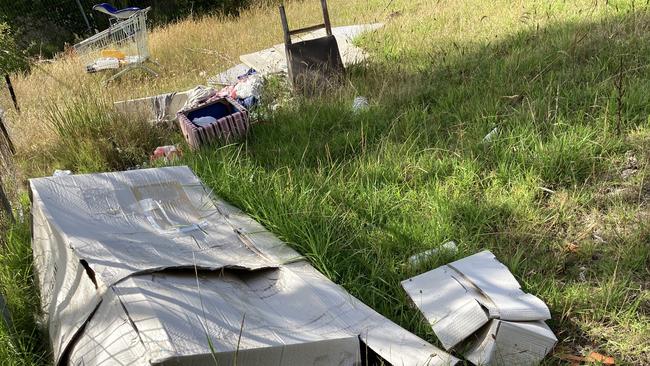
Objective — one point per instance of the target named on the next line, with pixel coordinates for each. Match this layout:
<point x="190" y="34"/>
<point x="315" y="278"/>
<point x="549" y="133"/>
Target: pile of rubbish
<point x="148" y="267"/>
<point x="241" y="86"/>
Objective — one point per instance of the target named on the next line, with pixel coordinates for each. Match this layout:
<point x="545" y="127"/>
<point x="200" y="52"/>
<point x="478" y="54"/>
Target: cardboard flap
<point x="497" y="283"/>
<point x="142" y="221"/>
<point x="176" y="314"/>
<point x="511" y="343"/>
<point x="447" y="305"/>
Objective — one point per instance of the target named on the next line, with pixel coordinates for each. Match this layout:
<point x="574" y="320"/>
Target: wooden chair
<point x="314" y="61"/>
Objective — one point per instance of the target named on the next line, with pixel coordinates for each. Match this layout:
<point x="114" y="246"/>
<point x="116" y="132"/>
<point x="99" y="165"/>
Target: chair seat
<point x="111" y="11"/>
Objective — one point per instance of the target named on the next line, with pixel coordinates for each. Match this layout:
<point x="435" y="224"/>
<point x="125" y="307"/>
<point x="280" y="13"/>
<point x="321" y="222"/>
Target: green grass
<point x="358" y="193"/>
<point x="21" y="340"/>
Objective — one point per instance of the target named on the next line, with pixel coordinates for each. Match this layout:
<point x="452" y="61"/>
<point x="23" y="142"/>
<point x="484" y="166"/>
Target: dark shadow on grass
<point x="552" y="94"/>
<point x="535" y="86"/>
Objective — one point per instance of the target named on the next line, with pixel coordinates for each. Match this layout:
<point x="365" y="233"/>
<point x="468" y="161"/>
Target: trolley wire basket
<point x="122" y="46"/>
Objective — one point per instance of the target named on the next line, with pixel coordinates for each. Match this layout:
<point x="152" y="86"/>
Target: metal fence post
<point x="11" y="91"/>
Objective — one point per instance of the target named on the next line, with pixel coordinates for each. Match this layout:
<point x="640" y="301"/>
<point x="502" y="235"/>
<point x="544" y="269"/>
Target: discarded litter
<point x="491" y="135"/>
<point x="114" y="13"/>
<point x="250" y="86"/>
<point x="105" y="63"/>
<point x="198" y="95"/>
<point x="478" y="295"/>
<point x="359" y="104"/>
<point x="113" y="53"/>
<point x="230" y="76"/>
<point x="311" y="61"/>
<point x="162" y="108"/>
<point x="58" y="173"/>
<point x="166" y="153"/>
<point x="120" y="290"/>
<point x="448" y="247"/>
<point x="123" y="44"/>
<point x="231" y="122"/>
<point x="507" y="343"/>
<point x="204" y="121"/>
<point x="273" y="60"/>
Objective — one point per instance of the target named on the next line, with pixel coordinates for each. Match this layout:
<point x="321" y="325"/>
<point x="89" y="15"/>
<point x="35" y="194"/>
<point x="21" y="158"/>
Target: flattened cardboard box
<point x="477" y="299"/>
<point x="147" y="267"/>
<point x="507" y="343"/>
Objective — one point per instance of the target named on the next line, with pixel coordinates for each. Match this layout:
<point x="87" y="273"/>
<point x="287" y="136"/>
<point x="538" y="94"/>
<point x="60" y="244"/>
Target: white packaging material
<point x="249" y="87"/>
<point x="492" y="134"/>
<point x="58" y="172"/>
<point x="116" y="289"/>
<point x="359" y="104"/>
<point x="198" y="95"/>
<point x="106" y="63"/>
<point x="499" y="291"/>
<point x="477" y="299"/>
<point x="453" y="313"/>
<point x="504" y="343"/>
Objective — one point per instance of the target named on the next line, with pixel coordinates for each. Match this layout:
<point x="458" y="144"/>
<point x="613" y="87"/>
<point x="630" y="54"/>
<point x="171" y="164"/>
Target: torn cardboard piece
<point x="162" y="108"/>
<point x="146" y="267"/>
<point x="511" y="343"/>
<point x="478" y="292"/>
<point x="445" y="303"/>
<point x="157" y="109"/>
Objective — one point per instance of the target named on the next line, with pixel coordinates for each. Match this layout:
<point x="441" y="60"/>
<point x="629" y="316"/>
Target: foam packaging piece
<point x="475" y="304"/>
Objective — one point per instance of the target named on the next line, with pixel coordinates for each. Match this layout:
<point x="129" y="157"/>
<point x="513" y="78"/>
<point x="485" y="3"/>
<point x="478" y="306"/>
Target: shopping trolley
<point x="122" y="46"/>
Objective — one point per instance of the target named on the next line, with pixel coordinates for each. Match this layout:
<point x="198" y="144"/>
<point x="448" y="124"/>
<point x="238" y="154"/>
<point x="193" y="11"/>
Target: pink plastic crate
<point x="232" y="122"/>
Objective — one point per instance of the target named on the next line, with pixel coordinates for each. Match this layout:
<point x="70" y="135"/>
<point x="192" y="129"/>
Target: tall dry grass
<point x="193" y="49"/>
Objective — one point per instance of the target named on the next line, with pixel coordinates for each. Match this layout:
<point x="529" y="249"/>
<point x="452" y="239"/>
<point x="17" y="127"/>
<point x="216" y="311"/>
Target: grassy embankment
<point x="565" y="83"/>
